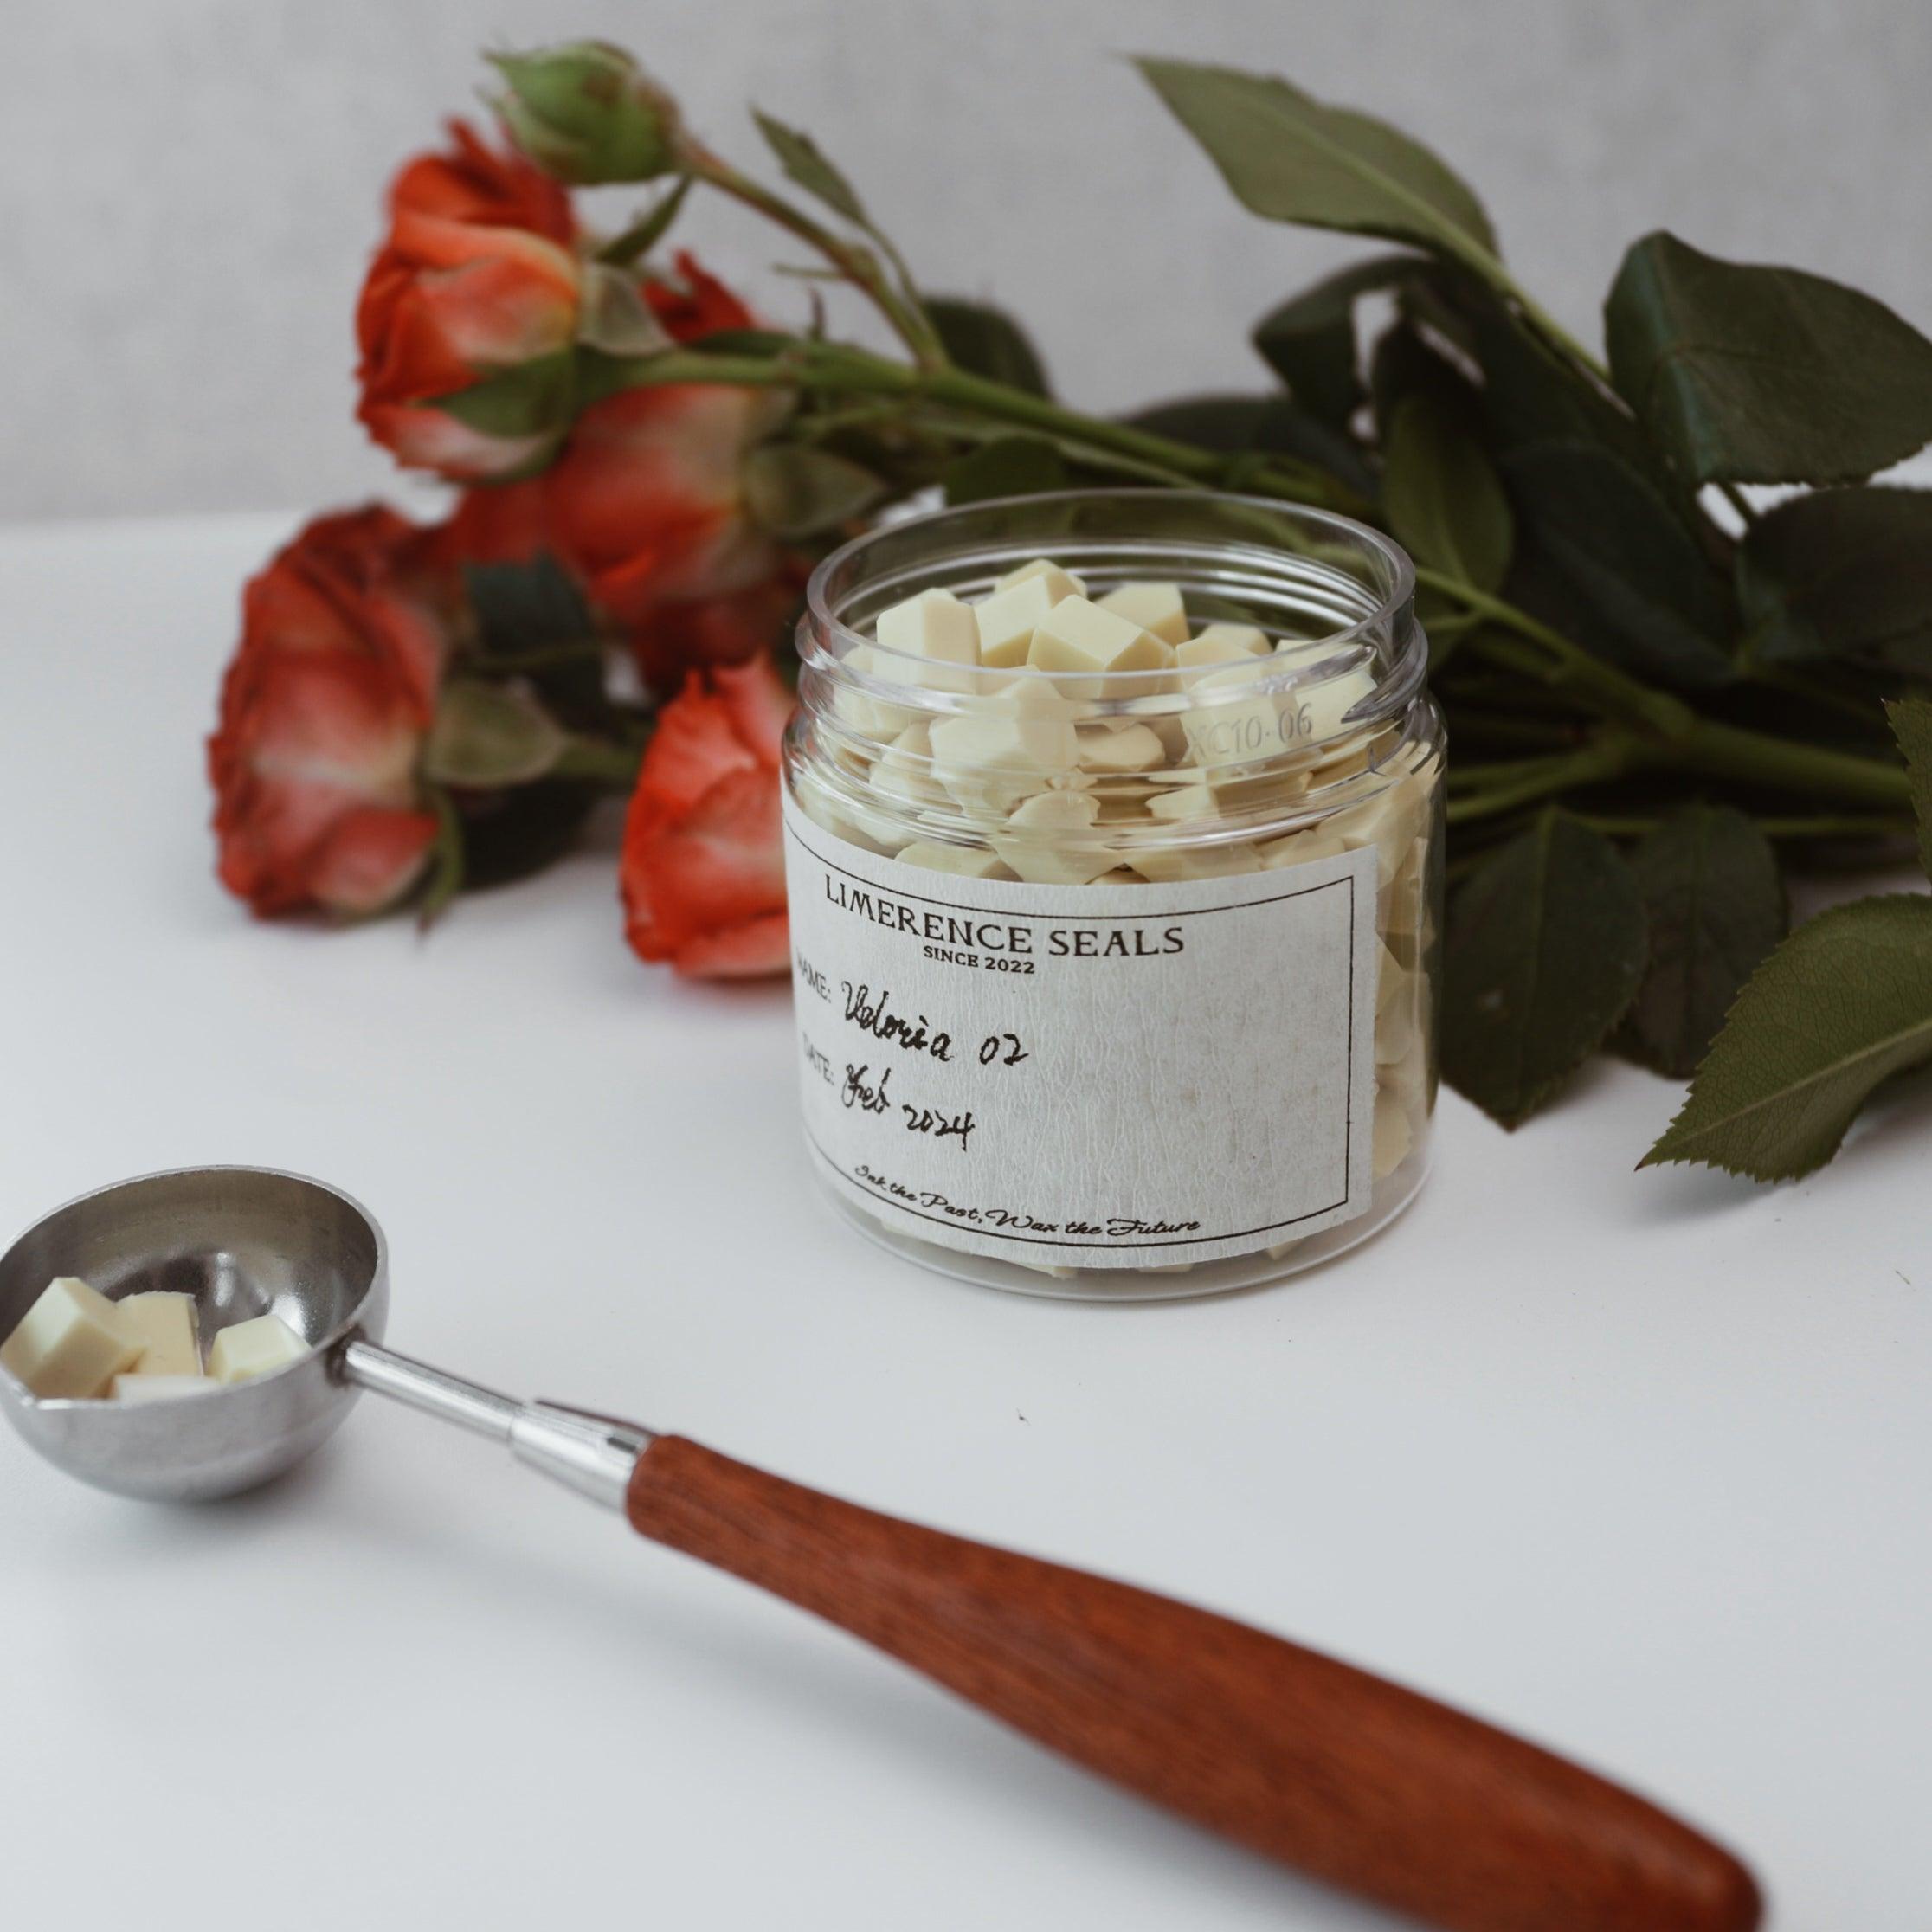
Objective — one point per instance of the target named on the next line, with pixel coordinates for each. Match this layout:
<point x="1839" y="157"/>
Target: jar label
<point x="1087" y="1076"/>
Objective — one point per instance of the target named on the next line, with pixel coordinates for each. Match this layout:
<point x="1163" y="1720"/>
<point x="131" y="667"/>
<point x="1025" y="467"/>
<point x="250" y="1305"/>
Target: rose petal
<point x="498" y="522"/>
<point x="754" y="951"/>
<point x="370" y="859"/>
<point x="698" y="309"/>
<point x="432" y="439"/>
<point x="477" y="184"/>
<point x="647" y="462"/>
<point x="696" y="744"/>
<point x="760" y="704"/>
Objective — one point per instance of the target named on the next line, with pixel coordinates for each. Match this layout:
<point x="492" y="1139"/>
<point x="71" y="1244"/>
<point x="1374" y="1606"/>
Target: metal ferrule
<point x="595" y="1455"/>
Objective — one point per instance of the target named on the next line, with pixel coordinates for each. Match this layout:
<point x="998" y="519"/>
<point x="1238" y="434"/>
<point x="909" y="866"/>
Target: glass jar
<point x="1119" y="983"/>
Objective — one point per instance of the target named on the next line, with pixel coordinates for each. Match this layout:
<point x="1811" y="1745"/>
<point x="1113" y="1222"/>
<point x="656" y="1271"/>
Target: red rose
<point x="703" y="871"/>
<point x="700" y="308"/>
<point x="323" y="714"/>
<point x="498" y="522"/>
<point x="478" y="276"/>
<point x="647" y="503"/>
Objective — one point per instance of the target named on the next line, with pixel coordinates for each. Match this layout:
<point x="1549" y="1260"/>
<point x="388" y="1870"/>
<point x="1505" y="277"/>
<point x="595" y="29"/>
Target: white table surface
<point x="1637" y="1463"/>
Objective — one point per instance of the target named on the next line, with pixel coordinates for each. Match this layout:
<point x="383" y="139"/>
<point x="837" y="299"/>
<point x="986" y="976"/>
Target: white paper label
<point x="1096" y="1076"/>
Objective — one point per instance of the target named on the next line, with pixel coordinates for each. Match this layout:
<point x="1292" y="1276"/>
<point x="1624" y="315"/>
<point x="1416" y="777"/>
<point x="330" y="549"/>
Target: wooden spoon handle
<point x="1360" y="1782"/>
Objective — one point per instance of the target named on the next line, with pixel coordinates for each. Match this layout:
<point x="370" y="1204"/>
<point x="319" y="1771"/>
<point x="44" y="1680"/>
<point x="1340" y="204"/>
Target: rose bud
<point x="703" y="871"/>
<point x="469" y="314"/>
<point x="585" y="112"/>
<point x="323" y="712"/>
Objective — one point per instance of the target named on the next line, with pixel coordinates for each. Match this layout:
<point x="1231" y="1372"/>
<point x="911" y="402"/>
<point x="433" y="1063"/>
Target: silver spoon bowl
<point x="243" y="1242"/>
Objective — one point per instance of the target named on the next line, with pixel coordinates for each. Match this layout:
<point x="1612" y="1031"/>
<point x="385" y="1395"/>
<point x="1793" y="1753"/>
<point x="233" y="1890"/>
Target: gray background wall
<point x="188" y="189"/>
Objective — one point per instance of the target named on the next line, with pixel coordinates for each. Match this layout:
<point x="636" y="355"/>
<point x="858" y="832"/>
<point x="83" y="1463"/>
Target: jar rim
<point x="1311" y="656"/>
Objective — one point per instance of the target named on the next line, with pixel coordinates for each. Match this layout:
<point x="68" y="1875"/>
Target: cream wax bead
<point x="71" y="1343"/>
<point x="1081" y="638"/>
<point x="161" y="1389"/>
<point x="1059" y="583"/>
<point x="258" y="1346"/>
<point x="873" y="717"/>
<point x="1222" y="644"/>
<point x="1050" y="840"/>
<point x="1008" y="747"/>
<point x="1120" y="748"/>
<point x="932" y="638"/>
<point x="1097" y="867"/>
<point x="963" y="861"/>
<point x="1006" y="622"/>
<point x="164" y="1325"/>
<point x="1156" y="608"/>
<point x="1230" y="733"/>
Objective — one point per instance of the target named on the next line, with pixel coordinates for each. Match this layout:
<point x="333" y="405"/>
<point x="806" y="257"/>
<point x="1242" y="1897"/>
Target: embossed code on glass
<point x="1096" y="1075"/>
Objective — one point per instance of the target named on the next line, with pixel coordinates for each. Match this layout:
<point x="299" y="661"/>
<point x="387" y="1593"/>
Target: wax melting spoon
<point x="1356" y="1781"/>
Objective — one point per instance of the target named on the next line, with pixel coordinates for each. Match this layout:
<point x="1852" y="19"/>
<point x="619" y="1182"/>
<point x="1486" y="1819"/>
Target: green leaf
<point x="1291" y="158"/>
<point x="1841" y="574"/>
<point x="526" y="607"/>
<point x="1845" y="1003"/>
<point x="642" y="235"/>
<point x="1404" y="364"/>
<point x="1533" y="395"/>
<point x="1441" y="494"/>
<point x="1544" y="952"/>
<point x="1009" y="466"/>
<point x="1757" y="375"/>
<point x="799" y="155"/>
<point x="613" y="315"/>
<point x="1911" y="722"/>
<point x="794" y="491"/>
<point x="1715" y="902"/>
<point x="532" y="617"/>
<point x="487" y="735"/>
<point x="530" y="400"/>
<point x="1309" y="340"/>
<point x="1657" y="606"/>
<point x="986" y="341"/>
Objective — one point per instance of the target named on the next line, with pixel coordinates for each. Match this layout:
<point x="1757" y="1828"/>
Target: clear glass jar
<point x="1230" y="1085"/>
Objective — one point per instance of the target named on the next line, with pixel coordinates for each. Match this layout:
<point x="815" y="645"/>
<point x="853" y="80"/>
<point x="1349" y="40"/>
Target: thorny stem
<point x="842" y="370"/>
<point x="964" y="429"/>
<point x="1756" y="757"/>
<point x="856" y="262"/>
<point x="1739" y="502"/>
<point x="1488" y="267"/>
<point x="1487" y="790"/>
<point x="1602" y="685"/>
